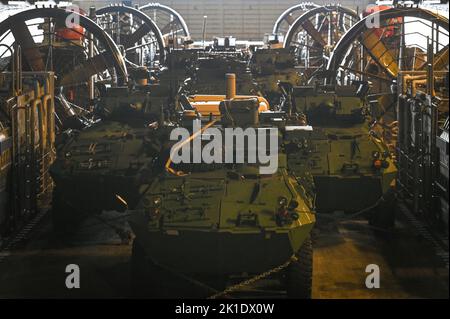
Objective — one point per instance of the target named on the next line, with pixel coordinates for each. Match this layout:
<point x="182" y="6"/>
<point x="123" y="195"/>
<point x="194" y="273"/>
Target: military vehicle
<point x="268" y="67"/>
<point x="214" y="63"/>
<point x="111" y="155"/>
<point x="105" y="162"/>
<point x="99" y="167"/>
<point x="204" y="224"/>
<point x="352" y="167"/>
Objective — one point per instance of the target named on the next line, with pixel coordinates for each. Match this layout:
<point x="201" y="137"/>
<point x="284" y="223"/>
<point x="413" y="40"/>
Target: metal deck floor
<point x="409" y="265"/>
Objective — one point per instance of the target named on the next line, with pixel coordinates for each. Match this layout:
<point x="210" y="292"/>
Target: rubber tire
<point x="299" y="273"/>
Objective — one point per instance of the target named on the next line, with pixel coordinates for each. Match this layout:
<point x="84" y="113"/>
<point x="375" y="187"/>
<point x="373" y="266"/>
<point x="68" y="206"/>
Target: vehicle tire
<point x="299" y="273"/>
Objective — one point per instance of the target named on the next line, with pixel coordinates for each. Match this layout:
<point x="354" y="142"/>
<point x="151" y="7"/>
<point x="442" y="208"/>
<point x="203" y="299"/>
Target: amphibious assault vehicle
<point x="211" y="68"/>
<point x="101" y="167"/>
<point x="270" y="66"/>
<point x="202" y="225"/>
<point x="352" y="167"/>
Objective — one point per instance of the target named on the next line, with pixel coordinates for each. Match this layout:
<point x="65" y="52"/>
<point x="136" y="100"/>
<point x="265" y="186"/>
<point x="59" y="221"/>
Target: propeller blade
<point x="85" y="70"/>
<point x="31" y="52"/>
<point x="136" y="36"/>
<point x="311" y="30"/>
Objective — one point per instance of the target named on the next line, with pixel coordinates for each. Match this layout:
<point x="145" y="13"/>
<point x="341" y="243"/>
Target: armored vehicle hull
<point x="352" y="167"/>
<point x="101" y="168"/>
<point x="212" y="237"/>
<point x="221" y="219"/>
<point x="220" y="253"/>
<point x="346" y="173"/>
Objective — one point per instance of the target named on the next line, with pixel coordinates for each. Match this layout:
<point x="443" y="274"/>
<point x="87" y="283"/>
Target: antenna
<point x="204" y="30"/>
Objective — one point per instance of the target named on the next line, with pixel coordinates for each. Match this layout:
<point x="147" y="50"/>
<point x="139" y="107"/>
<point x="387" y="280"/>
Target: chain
<point x="252" y="280"/>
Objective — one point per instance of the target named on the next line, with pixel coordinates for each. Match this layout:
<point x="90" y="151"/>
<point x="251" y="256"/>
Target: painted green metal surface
<point x="340" y="151"/>
<point x="223" y="220"/>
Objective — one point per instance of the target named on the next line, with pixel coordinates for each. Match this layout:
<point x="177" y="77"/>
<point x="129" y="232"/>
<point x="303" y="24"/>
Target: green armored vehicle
<point x="268" y="67"/>
<point x="208" y="223"/>
<point x="352" y="167"/>
<point x="101" y="168"/>
<point x="209" y="77"/>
